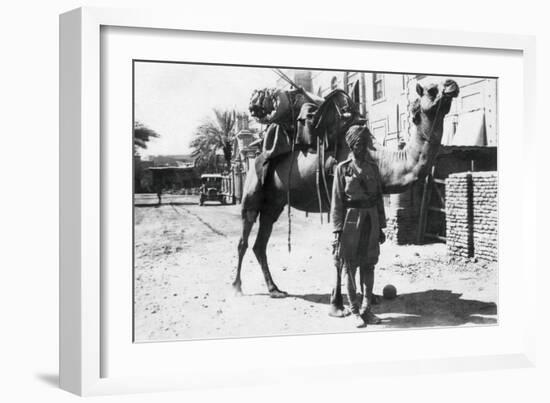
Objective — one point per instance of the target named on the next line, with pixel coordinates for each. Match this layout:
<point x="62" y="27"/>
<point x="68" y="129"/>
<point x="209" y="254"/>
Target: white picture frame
<point x="82" y="307"/>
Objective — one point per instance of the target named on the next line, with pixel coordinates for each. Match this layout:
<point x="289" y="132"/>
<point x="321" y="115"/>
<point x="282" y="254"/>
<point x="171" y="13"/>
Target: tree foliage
<point x="142" y="135"/>
<point x="213" y="136"/>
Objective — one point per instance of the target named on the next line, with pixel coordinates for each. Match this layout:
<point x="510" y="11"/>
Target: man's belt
<point x="359" y="204"/>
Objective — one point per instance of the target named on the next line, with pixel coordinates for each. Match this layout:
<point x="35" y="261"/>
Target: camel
<point x="293" y="178"/>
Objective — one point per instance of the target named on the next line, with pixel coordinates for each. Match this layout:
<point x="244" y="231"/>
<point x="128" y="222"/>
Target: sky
<point x="174" y="99"/>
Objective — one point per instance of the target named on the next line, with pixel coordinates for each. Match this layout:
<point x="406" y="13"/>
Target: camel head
<point x="433" y="104"/>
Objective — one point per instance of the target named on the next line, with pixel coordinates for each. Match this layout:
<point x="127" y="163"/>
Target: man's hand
<point x="381" y="237"/>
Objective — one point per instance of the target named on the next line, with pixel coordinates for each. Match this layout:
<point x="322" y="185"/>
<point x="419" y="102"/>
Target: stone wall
<point x="471" y="214"/>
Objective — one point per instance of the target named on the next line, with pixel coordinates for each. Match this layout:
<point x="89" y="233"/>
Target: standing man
<point x="358" y="217"/>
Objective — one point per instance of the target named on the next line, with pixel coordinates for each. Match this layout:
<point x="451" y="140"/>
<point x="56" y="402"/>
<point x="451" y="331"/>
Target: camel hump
<point x="348" y="110"/>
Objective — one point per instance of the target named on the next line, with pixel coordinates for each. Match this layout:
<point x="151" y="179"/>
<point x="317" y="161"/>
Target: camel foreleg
<point x="260" y="247"/>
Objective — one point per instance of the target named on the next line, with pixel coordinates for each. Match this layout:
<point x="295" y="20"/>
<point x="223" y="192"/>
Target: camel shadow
<point x="426" y="309"/>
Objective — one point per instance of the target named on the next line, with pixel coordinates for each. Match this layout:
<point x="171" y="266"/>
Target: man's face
<point x="359" y="149"/>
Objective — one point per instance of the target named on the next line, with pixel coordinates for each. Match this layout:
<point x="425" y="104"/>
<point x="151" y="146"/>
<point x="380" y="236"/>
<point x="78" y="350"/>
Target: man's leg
<point x="354" y="301"/>
<point x="337" y="308"/>
<point x="352" y="289"/>
<point x="367" y="276"/>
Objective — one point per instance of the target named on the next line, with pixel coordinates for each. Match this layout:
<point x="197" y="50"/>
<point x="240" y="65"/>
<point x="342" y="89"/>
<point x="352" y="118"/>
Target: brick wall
<point x="485" y="186"/>
<point x="471" y="206"/>
<point x="459" y="226"/>
<point x="402" y="218"/>
<point x="401" y="225"/>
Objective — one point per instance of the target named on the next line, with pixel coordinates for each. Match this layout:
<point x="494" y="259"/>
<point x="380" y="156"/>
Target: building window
<point x="334" y="83"/>
<point x="354" y="85"/>
<point x="377" y="86"/>
<point x="355" y="92"/>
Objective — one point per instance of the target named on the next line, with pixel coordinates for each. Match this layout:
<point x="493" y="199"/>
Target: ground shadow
<point x="155" y="204"/>
<point x="425" y="309"/>
<point x="49" y="379"/>
<point x="214" y="204"/>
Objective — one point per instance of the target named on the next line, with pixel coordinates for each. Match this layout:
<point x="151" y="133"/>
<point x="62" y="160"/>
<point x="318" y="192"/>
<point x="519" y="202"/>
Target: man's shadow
<point x="426" y="309"/>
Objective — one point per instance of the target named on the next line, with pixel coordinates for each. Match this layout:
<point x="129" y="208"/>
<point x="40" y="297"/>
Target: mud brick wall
<point x="485" y="192"/>
<point x="459" y="228"/>
<point x="471" y="207"/>
<point x="402" y="218"/>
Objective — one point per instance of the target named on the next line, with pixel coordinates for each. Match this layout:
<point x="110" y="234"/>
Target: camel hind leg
<point x="248" y="220"/>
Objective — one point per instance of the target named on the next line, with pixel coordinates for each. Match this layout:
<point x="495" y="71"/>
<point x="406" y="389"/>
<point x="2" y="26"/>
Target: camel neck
<point x="423" y="146"/>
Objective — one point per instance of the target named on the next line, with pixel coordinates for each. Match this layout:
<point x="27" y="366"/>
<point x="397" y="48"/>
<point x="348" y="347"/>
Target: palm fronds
<point x="142" y="135"/>
<point x="214" y="135"/>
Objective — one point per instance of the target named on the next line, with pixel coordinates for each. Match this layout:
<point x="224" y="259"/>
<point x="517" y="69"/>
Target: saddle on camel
<point x="299" y="120"/>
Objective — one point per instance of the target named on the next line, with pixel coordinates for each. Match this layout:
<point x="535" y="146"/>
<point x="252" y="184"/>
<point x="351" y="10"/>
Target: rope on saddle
<point x="293" y="139"/>
<point x="324" y="176"/>
<point x="288" y="199"/>
<point x="317" y="179"/>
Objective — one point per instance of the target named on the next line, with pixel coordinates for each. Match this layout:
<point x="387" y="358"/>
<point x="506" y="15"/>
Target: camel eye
<point x="432" y="92"/>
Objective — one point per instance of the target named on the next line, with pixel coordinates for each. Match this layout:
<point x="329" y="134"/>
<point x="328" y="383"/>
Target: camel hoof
<point x="359" y="322"/>
<point x="278" y="294"/>
<point x="338" y="311"/>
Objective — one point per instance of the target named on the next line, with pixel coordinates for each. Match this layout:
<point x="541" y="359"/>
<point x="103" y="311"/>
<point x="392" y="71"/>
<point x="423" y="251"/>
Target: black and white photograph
<point x="250" y="202"/>
<point x="273" y="201"/>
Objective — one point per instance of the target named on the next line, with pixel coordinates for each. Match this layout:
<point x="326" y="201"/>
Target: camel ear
<point x="419" y="89"/>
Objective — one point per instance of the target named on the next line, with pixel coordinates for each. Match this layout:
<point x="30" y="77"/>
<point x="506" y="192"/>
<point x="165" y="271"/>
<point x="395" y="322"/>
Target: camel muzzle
<point x="450" y="89"/>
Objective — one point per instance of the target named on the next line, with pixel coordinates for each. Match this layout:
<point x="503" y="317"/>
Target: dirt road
<point x="185" y="261"/>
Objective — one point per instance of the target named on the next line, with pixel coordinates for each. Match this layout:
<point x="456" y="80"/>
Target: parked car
<point x="216" y="187"/>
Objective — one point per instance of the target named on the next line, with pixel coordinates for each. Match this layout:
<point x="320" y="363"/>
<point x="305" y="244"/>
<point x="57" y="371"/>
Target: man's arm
<point x="381" y="211"/>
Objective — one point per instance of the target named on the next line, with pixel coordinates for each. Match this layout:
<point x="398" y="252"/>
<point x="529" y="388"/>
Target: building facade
<point x="384" y="99"/>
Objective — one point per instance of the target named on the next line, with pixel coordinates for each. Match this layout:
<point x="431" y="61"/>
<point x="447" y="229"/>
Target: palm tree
<point x="214" y="136"/>
<point x="142" y="135"/>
